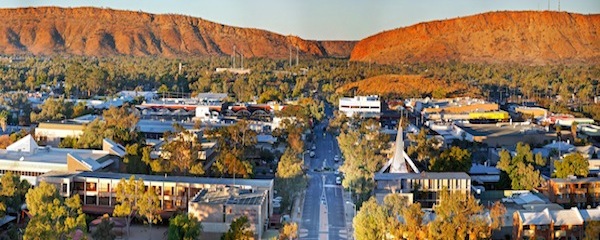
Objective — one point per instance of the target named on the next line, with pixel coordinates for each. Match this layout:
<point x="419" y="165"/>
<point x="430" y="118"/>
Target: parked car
<point x="338" y="180"/>
<point x="336" y="158"/>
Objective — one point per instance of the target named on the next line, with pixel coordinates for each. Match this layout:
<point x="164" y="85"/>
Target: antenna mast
<point x="296" y="55"/>
<point x="290" y="56"/>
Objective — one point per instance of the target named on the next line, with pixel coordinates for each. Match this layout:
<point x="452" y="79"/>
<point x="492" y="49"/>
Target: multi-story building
<point x="217" y="208"/>
<point x="573" y="192"/>
<point x="553" y="224"/>
<point x="364" y="106"/>
<point x="26" y="158"/>
<point x="216" y="201"/>
<point x="423" y="187"/>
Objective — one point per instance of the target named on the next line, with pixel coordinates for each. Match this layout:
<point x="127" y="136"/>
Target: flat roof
<point x="51" y="155"/>
<point x="577" y="180"/>
<point x="225" y="197"/>
<point x="423" y="175"/>
<point x="494" y="130"/>
<point x="181" y="179"/>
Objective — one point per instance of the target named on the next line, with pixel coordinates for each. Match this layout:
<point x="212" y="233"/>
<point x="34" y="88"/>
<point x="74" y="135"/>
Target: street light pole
<point x="350" y="227"/>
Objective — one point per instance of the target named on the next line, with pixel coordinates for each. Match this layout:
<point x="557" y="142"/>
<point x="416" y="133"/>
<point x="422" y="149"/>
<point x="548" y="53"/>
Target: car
<point x="314" y="147"/>
<point x="336" y="158"/>
<point x="338" y="180"/>
<point x="312" y="154"/>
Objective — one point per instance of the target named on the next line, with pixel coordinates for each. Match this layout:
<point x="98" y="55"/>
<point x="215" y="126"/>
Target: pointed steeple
<point x="398" y="161"/>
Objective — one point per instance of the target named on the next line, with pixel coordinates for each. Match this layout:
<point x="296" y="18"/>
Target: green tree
<point x="573" y="164"/>
<point x="103" y="230"/>
<point x="52" y="216"/>
<point x="184" y="227"/>
<point x="423" y="148"/>
<point x="289" y="179"/>
<point x="235" y="143"/>
<point x="453" y="159"/>
<point x="592" y="230"/>
<point x="148" y="206"/>
<point x="53" y="109"/>
<point x="459" y="216"/>
<point x="128" y="193"/>
<point x="12" y="192"/>
<point x="239" y="229"/>
<point x="117" y="124"/>
<point x="520" y="168"/>
<point x="163" y="89"/>
<point x="370" y="221"/>
<point x="4" y="119"/>
<point x="180" y="153"/>
<point x="362" y="150"/>
<point x="289" y="231"/>
<point x="133" y="159"/>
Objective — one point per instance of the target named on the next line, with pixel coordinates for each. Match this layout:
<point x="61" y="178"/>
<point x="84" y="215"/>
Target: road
<point x="323" y="211"/>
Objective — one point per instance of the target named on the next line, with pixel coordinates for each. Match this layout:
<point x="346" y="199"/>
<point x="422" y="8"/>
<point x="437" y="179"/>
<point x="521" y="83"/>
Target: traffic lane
<point x="337" y="222"/>
<point x="310" y="212"/>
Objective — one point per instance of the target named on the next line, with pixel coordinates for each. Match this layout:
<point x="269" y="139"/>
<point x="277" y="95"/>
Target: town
<point x="123" y="124"/>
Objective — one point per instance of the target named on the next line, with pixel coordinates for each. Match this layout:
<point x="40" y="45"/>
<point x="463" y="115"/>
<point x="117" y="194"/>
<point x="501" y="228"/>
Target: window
<point x="64" y="188"/>
<point x="526" y="227"/>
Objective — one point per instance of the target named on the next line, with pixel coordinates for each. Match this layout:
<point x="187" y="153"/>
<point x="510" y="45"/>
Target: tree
<point x="289" y="179"/>
<point x="12" y="192"/>
<point x="52" y="216"/>
<point x="423" y="148"/>
<point x="454" y="159"/>
<point x="4" y="119"/>
<point x="53" y="109"/>
<point x="180" y="153"/>
<point x="520" y="169"/>
<point x="148" y="206"/>
<point x="370" y="221"/>
<point x="104" y="229"/>
<point x="592" y="230"/>
<point x="362" y="150"/>
<point x="117" y="124"/>
<point x="163" y="89"/>
<point x="133" y="159"/>
<point x="571" y="165"/>
<point x="234" y="142"/>
<point x="184" y="227"/>
<point x="289" y="231"/>
<point x="239" y="229"/>
<point x="128" y="193"/>
<point x="459" y="216"/>
<point x="574" y="130"/>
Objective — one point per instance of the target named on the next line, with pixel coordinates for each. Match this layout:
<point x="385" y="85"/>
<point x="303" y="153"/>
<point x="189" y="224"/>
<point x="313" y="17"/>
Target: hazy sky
<point x="321" y="19"/>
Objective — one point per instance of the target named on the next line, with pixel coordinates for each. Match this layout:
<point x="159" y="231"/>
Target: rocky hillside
<point x="407" y="85"/>
<point x="103" y="32"/>
<point x="535" y="38"/>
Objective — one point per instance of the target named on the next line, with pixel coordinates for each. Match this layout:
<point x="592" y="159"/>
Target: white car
<point x="336" y="158"/>
<point x="338" y="180"/>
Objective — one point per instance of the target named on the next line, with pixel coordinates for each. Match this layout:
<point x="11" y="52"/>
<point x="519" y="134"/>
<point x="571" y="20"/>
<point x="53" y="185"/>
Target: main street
<point x="323" y="210"/>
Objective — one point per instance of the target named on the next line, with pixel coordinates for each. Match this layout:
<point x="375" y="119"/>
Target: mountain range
<point x="526" y="37"/>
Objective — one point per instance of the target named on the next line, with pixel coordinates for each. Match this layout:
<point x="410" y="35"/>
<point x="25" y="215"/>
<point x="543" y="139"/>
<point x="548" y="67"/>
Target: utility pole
<point x="290" y="56"/>
<point x="233" y="57"/>
<point x="296" y="55"/>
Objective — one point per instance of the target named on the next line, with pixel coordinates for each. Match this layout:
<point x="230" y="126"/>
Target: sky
<point x="322" y="19"/>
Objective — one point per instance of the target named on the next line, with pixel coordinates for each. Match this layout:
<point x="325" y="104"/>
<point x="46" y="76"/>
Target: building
<point x="217" y="208"/>
<point x="52" y="133"/>
<point x="215" y="201"/>
<point x="452" y="108"/>
<point x="549" y="224"/>
<point x="573" y="192"/>
<point x="364" y="106"/>
<point x="423" y="187"/>
<point x="27" y="159"/>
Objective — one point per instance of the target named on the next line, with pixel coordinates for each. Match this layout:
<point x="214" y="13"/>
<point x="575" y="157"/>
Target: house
<point x="548" y="224"/>
<point x="573" y="192"/>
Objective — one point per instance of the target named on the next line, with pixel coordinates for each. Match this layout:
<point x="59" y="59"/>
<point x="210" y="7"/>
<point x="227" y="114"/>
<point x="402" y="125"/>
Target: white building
<point x="365" y="106"/>
<point x="27" y="159"/>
